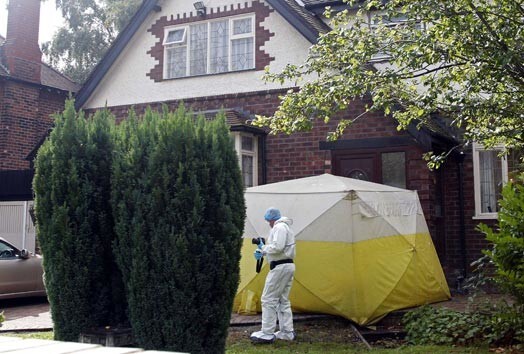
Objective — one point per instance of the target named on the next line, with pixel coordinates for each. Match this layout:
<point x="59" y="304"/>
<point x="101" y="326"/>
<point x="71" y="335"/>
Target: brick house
<point x="30" y="92"/>
<point x="211" y="55"/>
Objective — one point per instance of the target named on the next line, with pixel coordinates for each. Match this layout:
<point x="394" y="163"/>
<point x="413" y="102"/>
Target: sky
<point x="50" y="19"/>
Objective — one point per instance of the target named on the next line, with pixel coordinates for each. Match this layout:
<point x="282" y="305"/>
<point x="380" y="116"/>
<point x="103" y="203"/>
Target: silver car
<point x="20" y="272"/>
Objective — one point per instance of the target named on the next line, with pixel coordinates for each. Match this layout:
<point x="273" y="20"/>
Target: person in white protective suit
<point x="280" y="252"/>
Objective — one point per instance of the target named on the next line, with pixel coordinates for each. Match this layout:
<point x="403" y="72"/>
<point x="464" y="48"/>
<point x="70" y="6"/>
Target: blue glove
<point x="260" y="244"/>
<point x="258" y="254"/>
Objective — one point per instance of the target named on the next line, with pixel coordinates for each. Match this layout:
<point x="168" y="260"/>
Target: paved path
<point x="33" y="315"/>
<point x="15" y="345"/>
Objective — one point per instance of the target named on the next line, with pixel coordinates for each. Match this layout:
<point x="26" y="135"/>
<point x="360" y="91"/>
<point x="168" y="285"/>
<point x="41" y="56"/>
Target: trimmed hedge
<point x="179" y="214"/>
<point x="141" y="221"/>
<point x="75" y="224"/>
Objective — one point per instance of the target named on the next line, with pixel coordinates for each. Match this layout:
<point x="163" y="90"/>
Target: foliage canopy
<point x="461" y="58"/>
<point x="90" y="28"/>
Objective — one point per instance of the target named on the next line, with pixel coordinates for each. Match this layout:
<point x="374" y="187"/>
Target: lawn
<point x="329" y="336"/>
<point x="322" y="337"/>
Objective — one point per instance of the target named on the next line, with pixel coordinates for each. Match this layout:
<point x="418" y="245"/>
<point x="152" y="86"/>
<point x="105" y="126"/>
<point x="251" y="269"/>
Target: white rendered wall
<point x="126" y="82"/>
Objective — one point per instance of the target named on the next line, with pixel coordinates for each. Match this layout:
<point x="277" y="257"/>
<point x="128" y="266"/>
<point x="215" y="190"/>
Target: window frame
<point x="476" y="149"/>
<point x="186" y="42"/>
<point x="395" y="22"/>
<point x="181" y="43"/>
<point x="254" y="153"/>
<point x="168" y="30"/>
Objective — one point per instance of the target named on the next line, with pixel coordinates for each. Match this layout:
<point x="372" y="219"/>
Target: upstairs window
<point x="209" y="47"/>
<point x="378" y="20"/>
<point x="490" y="174"/>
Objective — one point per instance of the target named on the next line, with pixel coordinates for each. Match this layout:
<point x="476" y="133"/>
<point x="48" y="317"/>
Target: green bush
<point x="179" y="213"/>
<point x="429" y="325"/>
<point x="506" y="325"/>
<point x="75" y="224"/>
<point x="507" y="251"/>
<point x="499" y="324"/>
<point x="2" y="318"/>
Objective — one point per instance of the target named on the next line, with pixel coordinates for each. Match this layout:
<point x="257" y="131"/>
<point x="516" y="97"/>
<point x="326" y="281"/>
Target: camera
<point x="256" y="240"/>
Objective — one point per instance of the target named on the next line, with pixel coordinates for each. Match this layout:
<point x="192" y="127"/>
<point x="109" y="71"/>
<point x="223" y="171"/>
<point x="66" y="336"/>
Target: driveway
<point x="26" y="314"/>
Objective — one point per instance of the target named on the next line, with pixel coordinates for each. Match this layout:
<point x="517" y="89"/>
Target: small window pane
<point x="176" y="61"/>
<point x="490" y="168"/>
<point x="198" y="51"/>
<point x="242" y="26"/>
<point x="242" y="54"/>
<point x="175" y="36"/>
<point x="248" y="143"/>
<point x="247" y="170"/>
<point x="219" y="47"/>
<point x="394" y="169"/>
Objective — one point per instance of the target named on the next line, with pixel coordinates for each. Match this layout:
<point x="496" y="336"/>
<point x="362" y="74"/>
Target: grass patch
<point x="31" y="335"/>
<point x="330" y="336"/>
<point x="315" y="337"/>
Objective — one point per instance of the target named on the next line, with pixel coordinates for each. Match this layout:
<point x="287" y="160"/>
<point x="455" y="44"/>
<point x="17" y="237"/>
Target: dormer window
<point x="209" y="47"/>
<point x="377" y="20"/>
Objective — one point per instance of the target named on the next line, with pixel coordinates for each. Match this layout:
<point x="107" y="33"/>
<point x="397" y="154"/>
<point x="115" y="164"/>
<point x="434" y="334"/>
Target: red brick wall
<point x="24" y="120"/>
<point x="21" y="50"/>
<point x="298" y="155"/>
<point x="3" y="131"/>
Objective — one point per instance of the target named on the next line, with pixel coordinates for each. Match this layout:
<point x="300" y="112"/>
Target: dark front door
<point x="386" y="166"/>
<point x="358" y="166"/>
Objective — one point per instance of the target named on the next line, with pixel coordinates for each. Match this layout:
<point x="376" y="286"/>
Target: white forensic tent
<point x="363" y="249"/>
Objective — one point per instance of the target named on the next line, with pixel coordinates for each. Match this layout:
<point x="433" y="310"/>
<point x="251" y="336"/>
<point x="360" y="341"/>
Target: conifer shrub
<point x="179" y="214"/>
<point x="507" y="240"/>
<point x="75" y="225"/>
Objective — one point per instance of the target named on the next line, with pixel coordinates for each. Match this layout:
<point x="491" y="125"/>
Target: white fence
<point x="16" y="225"/>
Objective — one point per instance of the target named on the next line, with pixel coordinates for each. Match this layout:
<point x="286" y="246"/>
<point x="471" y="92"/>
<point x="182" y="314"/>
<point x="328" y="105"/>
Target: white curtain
<point x="176" y="61"/>
<point x="490" y="180"/>
<point x="247" y="170"/>
<point x="219" y="47"/>
<point x="242" y="54"/>
<point x="198" y="49"/>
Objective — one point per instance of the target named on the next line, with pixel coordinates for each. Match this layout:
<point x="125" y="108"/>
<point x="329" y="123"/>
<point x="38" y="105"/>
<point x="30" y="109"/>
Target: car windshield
<point x="6" y="251"/>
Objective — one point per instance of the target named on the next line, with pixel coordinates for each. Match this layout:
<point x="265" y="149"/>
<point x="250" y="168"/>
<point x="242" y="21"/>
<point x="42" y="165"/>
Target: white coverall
<point x="275" y="297"/>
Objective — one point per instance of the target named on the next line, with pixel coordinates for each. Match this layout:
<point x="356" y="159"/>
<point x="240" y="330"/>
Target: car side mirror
<point x="24" y="254"/>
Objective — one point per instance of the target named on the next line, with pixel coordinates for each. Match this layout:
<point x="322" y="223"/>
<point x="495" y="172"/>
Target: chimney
<point x="22" y="54"/>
